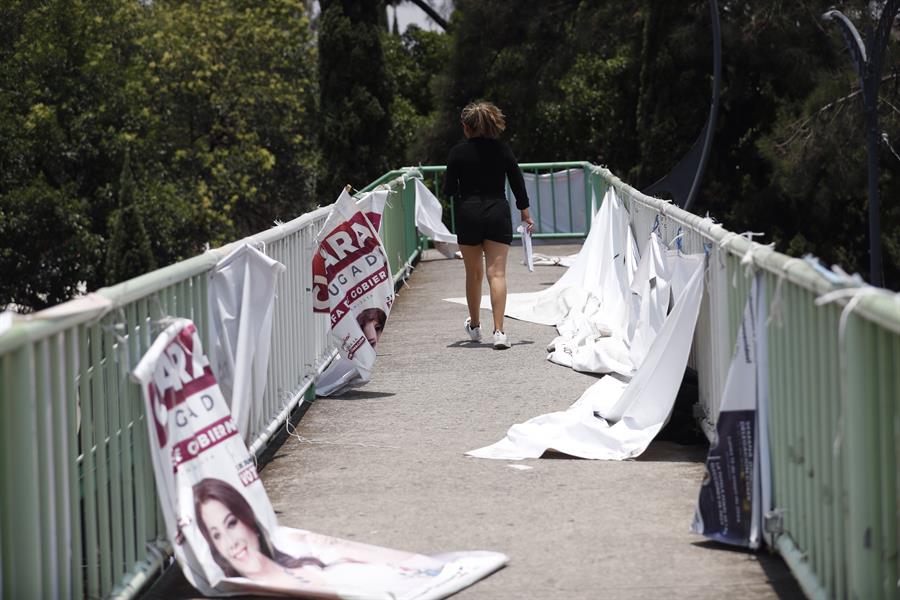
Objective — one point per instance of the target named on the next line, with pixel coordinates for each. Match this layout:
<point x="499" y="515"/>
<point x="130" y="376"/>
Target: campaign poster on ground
<point x="220" y="521"/>
<point x="352" y="282"/>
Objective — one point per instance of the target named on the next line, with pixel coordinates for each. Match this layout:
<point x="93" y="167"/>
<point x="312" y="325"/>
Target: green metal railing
<point x="548" y="216"/>
<point x="398" y="229"/>
<point x="78" y="509"/>
<point x="834" y="401"/>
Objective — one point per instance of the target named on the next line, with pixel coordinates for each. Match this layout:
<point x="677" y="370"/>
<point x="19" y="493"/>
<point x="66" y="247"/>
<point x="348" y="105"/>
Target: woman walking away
<point x="476" y="173"/>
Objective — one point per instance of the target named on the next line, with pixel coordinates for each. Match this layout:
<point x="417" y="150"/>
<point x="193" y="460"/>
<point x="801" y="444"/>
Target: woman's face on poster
<point x="233" y="539"/>
<point x="371" y="322"/>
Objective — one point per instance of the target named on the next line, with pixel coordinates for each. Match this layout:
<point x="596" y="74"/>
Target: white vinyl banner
<point x="735" y="493"/>
<point x="352" y="282"/>
<point x="430" y="223"/>
<point x="219" y="519"/>
<point x="241" y="300"/>
<point x="372" y="205"/>
<point x="614" y="420"/>
<point x="599" y="276"/>
<point x="613" y="336"/>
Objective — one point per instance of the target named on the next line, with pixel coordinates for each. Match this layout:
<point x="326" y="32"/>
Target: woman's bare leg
<point x="495" y="259"/>
<point x="473" y="259"/>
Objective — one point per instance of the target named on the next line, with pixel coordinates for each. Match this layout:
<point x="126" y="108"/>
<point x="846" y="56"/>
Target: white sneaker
<point x="500" y="341"/>
<point x="474" y="332"/>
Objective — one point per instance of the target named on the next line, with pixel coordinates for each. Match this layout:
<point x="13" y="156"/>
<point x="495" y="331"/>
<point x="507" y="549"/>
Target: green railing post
<point x="20" y="497"/>
<point x="861" y="444"/>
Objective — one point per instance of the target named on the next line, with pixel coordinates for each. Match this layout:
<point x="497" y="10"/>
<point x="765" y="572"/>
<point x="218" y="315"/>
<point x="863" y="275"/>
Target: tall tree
<point x="215" y="100"/>
<point x="627" y="84"/>
<point x="413" y="61"/>
<point x="128" y="253"/>
<point x="354" y="97"/>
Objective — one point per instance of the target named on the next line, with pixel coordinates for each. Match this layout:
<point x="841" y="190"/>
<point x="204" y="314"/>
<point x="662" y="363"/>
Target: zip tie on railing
<point x="157" y="552"/>
<point x="748" y="261"/>
<point x="164" y="319"/>
<point x="726" y="239"/>
<point x="722" y="243"/>
<point x="407" y="269"/>
<point x="856" y="294"/>
<point x="163" y="322"/>
<point x="836" y="276"/>
<point x="775" y="310"/>
<point x="113" y="329"/>
<point x="677" y="240"/>
<point x="292" y="431"/>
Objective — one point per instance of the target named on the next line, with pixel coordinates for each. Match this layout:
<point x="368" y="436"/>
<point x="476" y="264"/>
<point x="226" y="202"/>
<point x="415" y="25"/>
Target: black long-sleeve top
<point x="481" y="166"/>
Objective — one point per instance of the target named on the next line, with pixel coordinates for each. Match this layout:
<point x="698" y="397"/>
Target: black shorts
<point x="480" y="218"/>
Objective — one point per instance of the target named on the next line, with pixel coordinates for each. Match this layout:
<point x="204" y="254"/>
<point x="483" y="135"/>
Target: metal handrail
<point x="78" y="511"/>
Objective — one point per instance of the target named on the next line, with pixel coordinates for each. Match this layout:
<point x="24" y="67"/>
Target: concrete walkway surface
<point x="385" y="465"/>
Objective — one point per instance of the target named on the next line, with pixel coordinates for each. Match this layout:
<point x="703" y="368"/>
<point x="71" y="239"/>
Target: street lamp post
<point x="868" y="61"/>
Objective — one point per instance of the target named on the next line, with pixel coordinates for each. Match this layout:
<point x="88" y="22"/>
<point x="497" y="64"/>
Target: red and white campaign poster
<point x="352" y="282"/>
<point x="219" y="519"/>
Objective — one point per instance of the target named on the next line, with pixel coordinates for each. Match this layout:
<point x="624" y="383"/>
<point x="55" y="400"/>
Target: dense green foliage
<point x="355" y="97"/>
<point x="213" y="100"/>
<point x="234" y="113"/>
<point x="627" y="84"/>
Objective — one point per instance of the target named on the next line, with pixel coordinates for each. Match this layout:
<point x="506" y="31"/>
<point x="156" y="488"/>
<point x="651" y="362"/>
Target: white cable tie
<point x="749" y="258"/>
<point x="722" y="243"/>
<point x="856" y="294"/>
<point x="775" y="310"/>
<point x="292" y="432"/>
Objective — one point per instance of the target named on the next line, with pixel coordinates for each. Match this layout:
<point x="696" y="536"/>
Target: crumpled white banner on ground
<point x="614" y="420"/>
<point x="589" y="342"/>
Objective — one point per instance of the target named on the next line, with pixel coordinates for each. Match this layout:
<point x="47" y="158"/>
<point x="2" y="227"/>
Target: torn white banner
<point x="590" y="342"/>
<point x="430" y="223"/>
<point x="614" y="420"/>
<point x="602" y="273"/>
<point x="241" y="300"/>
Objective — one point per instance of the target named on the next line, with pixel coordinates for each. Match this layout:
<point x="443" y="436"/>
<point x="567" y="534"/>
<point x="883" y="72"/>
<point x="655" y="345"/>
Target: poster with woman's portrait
<point x="219" y="519"/>
<point x="352" y="282"/>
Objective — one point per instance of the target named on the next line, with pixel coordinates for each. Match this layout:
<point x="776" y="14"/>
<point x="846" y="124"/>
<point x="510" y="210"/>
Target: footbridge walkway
<point x="384" y="464"/>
